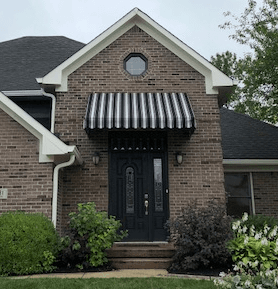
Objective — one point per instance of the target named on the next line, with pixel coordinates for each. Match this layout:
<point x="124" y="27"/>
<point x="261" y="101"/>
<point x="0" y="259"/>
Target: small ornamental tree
<point x="200" y="235"/>
<point x="92" y="233"/>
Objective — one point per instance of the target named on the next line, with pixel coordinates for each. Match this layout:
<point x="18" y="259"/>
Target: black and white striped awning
<point x="139" y="111"/>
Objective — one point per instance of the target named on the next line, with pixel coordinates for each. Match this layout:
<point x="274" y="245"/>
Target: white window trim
<point x="252" y="193"/>
<point x="251" y="184"/>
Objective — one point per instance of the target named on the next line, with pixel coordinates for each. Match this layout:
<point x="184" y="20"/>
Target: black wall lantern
<point x="179" y="157"/>
<point x="96" y="158"/>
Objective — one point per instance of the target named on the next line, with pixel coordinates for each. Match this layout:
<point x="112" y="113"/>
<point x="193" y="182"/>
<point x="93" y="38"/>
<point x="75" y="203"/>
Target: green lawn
<point x="99" y="283"/>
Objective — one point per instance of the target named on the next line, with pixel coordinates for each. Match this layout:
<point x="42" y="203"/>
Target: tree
<point x="257" y="94"/>
<point x="228" y="63"/>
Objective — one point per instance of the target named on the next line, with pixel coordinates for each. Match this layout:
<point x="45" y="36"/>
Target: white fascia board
<point x="214" y="77"/>
<point x="49" y="144"/>
<point x="250" y="165"/>
<point x="59" y="75"/>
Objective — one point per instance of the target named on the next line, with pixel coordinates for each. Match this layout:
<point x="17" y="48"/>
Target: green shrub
<point x="200" y="236"/>
<point x="28" y="243"/>
<point x="92" y="233"/>
<point x="255" y="253"/>
<point x="255" y="242"/>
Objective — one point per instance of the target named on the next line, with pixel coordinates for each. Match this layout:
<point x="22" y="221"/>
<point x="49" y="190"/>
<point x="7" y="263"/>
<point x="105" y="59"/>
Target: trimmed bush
<point x="200" y="236"/>
<point x="92" y="233"/>
<point x="28" y="243"/>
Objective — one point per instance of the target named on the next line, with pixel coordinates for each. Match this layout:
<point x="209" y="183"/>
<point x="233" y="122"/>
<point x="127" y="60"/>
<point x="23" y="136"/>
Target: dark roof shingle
<point x="24" y="59"/>
<point x="246" y="138"/>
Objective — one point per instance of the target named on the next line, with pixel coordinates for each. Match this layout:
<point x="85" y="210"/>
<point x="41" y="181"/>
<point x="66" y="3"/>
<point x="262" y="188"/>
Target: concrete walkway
<point x="126" y="273"/>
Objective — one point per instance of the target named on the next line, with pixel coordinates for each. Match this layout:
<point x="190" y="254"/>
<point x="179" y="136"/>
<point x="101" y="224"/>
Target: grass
<point x="99" y="283"/>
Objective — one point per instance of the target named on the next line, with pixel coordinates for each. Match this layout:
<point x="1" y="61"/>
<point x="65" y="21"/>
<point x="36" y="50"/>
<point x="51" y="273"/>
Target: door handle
<point x="146" y="207"/>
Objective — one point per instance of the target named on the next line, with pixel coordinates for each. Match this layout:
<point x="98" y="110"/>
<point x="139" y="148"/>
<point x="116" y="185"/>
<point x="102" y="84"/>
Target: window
<point x="238" y="189"/>
<point x="135" y="64"/>
<point x="38" y="107"/>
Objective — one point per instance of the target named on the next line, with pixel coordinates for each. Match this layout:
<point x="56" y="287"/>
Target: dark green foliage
<point x="28" y="243"/>
<point x="92" y="233"/>
<point x="228" y="63"/>
<point x="200" y="236"/>
<point x="257" y="94"/>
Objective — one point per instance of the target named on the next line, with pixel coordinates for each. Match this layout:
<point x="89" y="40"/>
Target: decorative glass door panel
<point x="129" y="190"/>
<point x="158" y="194"/>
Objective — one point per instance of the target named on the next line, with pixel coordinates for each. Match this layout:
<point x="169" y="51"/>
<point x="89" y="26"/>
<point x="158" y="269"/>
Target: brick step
<point x="140" y="263"/>
<point x="141" y="255"/>
<point x="140" y="252"/>
<point x="144" y="244"/>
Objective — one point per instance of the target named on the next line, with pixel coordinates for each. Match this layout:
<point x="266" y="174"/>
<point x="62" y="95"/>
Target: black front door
<point x="138" y="187"/>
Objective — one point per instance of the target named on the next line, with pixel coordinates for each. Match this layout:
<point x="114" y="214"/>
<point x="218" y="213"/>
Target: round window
<point x="135" y="64"/>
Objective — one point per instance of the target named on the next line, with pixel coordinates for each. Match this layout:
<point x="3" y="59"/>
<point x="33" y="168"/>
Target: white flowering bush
<point x="243" y="278"/>
<point x="255" y="254"/>
<point x="253" y="245"/>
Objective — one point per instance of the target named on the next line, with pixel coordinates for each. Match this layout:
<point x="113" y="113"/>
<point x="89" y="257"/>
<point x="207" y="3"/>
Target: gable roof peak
<point x="215" y="79"/>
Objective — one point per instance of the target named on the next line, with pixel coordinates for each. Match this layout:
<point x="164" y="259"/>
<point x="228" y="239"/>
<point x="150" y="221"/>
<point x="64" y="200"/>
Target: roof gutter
<point x="251" y="162"/>
<point x="22" y="93"/>
<point x="250" y="165"/>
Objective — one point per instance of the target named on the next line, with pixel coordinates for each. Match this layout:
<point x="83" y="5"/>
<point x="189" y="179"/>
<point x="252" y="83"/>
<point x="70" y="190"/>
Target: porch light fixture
<point x="96" y="158"/>
<point x="179" y="157"/>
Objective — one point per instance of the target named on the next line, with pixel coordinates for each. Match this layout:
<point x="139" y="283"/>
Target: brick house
<point x="130" y="121"/>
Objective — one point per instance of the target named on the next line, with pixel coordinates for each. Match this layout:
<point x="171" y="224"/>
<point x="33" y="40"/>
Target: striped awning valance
<point x="139" y="111"/>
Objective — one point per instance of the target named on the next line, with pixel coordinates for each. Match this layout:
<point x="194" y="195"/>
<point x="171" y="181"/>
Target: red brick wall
<point x="29" y="183"/>
<point x="88" y="182"/>
<point x="201" y="174"/>
<point x="266" y="193"/>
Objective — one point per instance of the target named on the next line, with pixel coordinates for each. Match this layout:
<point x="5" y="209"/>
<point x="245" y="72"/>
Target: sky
<point x="195" y="22"/>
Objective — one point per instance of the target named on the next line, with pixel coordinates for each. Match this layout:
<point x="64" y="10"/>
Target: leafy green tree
<point x="257" y="93"/>
<point x="228" y="63"/>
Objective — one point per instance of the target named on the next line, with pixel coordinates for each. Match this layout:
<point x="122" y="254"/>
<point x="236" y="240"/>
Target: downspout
<point x="55" y="187"/>
<point x="52" y="109"/>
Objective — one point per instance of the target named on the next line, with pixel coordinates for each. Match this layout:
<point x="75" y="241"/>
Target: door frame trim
<point x="165" y="173"/>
